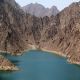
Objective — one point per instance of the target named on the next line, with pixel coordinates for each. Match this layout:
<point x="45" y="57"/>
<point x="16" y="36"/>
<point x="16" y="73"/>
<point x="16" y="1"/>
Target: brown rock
<point x="20" y="31"/>
<point x="5" y="64"/>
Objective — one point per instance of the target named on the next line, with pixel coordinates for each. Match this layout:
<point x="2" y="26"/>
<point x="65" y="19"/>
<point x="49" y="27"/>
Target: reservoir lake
<point x="39" y="65"/>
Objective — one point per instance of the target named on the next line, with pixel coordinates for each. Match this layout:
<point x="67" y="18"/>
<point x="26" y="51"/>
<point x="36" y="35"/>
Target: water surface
<point x="38" y="65"/>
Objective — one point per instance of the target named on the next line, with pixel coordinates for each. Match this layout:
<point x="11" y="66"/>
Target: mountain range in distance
<point x="39" y="10"/>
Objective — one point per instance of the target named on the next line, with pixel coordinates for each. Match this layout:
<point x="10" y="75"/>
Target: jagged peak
<point x="40" y="10"/>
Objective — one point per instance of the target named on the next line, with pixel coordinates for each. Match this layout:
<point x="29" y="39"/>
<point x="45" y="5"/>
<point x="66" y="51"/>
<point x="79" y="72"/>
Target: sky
<point x="60" y="4"/>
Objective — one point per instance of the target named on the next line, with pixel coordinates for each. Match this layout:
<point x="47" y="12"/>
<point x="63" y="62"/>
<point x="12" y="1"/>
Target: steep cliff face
<point x="63" y="34"/>
<point x="39" y="10"/>
<point x="70" y="24"/>
<point x="12" y="26"/>
<point x="60" y="33"/>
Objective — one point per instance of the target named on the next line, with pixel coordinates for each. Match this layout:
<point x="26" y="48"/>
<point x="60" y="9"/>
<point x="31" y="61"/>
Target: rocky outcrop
<point x="5" y="64"/>
<point x="39" y="10"/>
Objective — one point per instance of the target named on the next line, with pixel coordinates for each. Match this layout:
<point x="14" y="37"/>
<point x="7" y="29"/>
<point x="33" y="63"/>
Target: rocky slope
<point x="12" y="26"/>
<point x="63" y="34"/>
<point x="20" y="31"/>
<point x="58" y="33"/>
<point x="39" y="10"/>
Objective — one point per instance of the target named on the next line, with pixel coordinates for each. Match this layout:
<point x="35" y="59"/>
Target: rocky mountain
<point x="63" y="34"/>
<point x="11" y="26"/>
<point x="39" y="10"/>
<point x="20" y="31"/>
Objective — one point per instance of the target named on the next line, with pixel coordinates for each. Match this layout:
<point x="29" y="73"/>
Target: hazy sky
<point x="61" y="4"/>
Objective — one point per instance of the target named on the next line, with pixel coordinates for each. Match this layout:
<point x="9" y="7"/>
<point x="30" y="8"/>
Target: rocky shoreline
<point x="62" y="55"/>
<point x="33" y="47"/>
<point x="6" y="65"/>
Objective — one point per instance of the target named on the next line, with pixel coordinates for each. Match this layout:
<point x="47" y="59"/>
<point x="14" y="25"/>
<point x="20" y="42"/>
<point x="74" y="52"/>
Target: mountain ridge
<point x="39" y="10"/>
<point x="21" y="31"/>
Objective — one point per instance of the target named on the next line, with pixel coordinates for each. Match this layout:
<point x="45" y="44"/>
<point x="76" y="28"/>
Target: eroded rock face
<point x="12" y="26"/>
<point x="63" y="34"/>
<point x="20" y="31"/>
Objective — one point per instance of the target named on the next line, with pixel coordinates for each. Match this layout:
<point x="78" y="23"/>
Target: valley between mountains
<point x="20" y="31"/>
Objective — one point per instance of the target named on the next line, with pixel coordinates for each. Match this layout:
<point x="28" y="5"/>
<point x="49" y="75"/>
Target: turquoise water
<point x="38" y="65"/>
